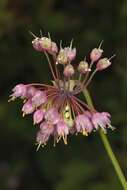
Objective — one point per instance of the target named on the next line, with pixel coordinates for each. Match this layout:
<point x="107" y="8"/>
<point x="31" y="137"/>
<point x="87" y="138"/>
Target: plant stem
<point x="108" y="147"/>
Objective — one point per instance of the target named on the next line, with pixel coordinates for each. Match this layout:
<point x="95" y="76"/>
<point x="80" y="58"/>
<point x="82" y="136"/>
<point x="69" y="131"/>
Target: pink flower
<point x="38" y="116"/>
<point x="66" y="55"/>
<point x="28" y="108"/>
<point x="103" y="64"/>
<point x="69" y="71"/>
<point x="53" y="49"/>
<point x="39" y="98"/>
<point x="30" y="91"/>
<point x="19" y="91"/>
<point x="83" y="67"/>
<point x="71" y="53"/>
<point x="52" y="116"/>
<point x="96" y="53"/>
<point x="57" y="104"/>
<point x="83" y="124"/>
<point x="101" y="120"/>
<point x="62" y="131"/>
<point x="44" y="134"/>
<point x="46" y="128"/>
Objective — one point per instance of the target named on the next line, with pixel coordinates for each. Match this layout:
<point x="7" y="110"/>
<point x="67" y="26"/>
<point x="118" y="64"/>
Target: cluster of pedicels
<point x="55" y="107"/>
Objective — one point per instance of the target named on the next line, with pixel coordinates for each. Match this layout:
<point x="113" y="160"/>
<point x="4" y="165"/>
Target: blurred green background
<point x="83" y="163"/>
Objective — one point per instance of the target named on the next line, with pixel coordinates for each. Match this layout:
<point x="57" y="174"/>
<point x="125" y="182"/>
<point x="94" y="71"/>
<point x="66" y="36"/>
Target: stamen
<point x="33" y="34"/>
<point x="23" y="115"/>
<point x="38" y="146"/>
<point x="49" y="36"/>
<point x="24" y="101"/>
<point x="12" y="99"/>
<point x="61" y="44"/>
<point x="100" y="44"/>
<point x="41" y="33"/>
<point x="111" y="57"/>
<point x="71" y="43"/>
<point x="85" y="133"/>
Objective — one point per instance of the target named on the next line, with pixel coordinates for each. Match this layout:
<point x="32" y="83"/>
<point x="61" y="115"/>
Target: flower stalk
<point x="108" y="147"/>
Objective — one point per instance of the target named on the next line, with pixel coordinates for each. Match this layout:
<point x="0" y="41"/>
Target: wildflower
<point x="96" y="53"/>
<point x="28" y="108"/>
<point x="83" y="67"/>
<point x="62" y="57"/>
<point x="101" y="120"/>
<point x="38" y="116"/>
<point x="66" y="55"/>
<point x="53" y="49"/>
<point x="18" y="91"/>
<point x="52" y="116"/>
<point x="69" y="71"/>
<point x="39" y="98"/>
<point x="30" y="91"/>
<point x="103" y="64"/>
<point x="83" y="124"/>
<point x="36" y="44"/>
<point x="42" y="44"/>
<point x="44" y="134"/>
<point x="57" y="106"/>
<point x="46" y="128"/>
<point x="62" y="131"/>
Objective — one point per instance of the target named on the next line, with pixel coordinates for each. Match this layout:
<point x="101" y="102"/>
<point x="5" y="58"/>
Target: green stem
<point x="108" y="147"/>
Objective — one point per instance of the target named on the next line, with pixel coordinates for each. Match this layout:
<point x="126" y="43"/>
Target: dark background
<point x="83" y="163"/>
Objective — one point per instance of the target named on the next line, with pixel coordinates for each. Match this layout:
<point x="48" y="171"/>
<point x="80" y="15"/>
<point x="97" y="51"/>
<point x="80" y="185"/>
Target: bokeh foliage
<point x="83" y="164"/>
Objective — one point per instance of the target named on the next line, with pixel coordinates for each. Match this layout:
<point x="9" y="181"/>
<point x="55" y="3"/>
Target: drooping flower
<point x="18" y="91"/>
<point x="62" y="131"/>
<point x="52" y="116"/>
<point x="39" y="98"/>
<point x="44" y="134"/>
<point x="28" y="108"/>
<point x="30" y="91"/>
<point x="83" y="124"/>
<point x="101" y="120"/>
<point x="38" y="116"/>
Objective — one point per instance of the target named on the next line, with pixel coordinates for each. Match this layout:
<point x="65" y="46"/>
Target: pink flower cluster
<point x="55" y="107"/>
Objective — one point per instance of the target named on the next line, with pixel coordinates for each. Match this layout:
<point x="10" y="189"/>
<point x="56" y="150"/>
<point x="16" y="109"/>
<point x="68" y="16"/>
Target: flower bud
<point x="36" y="44"/>
<point x="71" y="53"/>
<point x="45" y="43"/>
<point x="62" y="57"/>
<point x="66" y="55"/>
<point x="54" y="49"/>
<point x="83" y="67"/>
<point x="96" y="53"/>
<point x="103" y="64"/>
<point x="42" y="44"/>
<point x="69" y="71"/>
